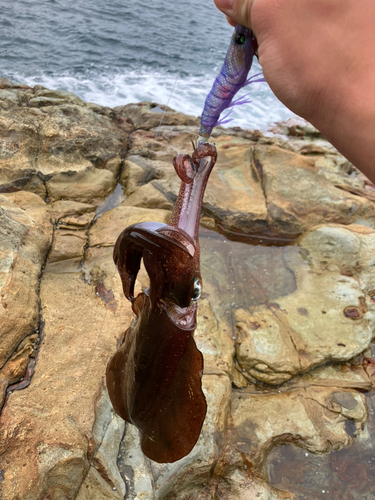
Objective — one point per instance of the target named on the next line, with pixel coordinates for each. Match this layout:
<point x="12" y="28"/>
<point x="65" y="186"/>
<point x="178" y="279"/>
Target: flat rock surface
<point x="285" y="322"/>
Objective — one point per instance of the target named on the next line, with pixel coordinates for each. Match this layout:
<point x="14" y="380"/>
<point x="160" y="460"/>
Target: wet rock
<point x="186" y="476"/>
<point x="286" y="331"/>
<point x="61" y="135"/>
<point x="64" y="391"/>
<point x="213" y="340"/>
<point x="25" y="236"/>
<point x="67" y="244"/>
<point x="292" y="418"/>
<point x="304" y="329"/>
<point x="148" y="196"/>
<point x="111" y="223"/>
<point x="147" y="115"/>
<point x="298" y="198"/>
<point x="89" y="185"/>
<point x="103" y="479"/>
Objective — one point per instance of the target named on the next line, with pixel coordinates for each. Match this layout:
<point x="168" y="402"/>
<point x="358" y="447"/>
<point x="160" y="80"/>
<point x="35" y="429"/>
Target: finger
<point x="232" y="22"/>
<point x="238" y="11"/>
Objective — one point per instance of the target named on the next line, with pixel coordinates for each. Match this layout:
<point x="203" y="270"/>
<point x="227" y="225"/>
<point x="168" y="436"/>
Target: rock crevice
<point x="285" y="325"/>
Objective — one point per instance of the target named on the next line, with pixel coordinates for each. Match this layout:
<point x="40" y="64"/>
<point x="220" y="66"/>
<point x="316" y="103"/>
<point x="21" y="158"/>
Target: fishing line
<point x="162" y="117"/>
<point x="169" y="98"/>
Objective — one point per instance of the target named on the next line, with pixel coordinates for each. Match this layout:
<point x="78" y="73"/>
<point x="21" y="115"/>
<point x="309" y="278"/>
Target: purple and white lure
<point x="232" y="77"/>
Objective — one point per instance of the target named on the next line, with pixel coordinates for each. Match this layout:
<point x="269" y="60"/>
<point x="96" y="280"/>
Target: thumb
<point x="236" y="10"/>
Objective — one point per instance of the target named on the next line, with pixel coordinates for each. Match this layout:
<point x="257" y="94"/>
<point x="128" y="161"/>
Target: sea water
<point x="118" y="52"/>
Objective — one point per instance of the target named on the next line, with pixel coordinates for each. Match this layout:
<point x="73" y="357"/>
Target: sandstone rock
<point x="297" y="198"/>
<point x="62" y="209"/>
<point x="213" y="340"/>
<point x="46" y="97"/>
<point x="304" y="329"/>
<point x="63" y="393"/>
<point x="235" y="198"/>
<point x="262" y="190"/>
<point x="89" y="185"/>
<point x="110" y="225"/>
<point x="67" y="244"/>
<point x="148" y="196"/>
<point x="24" y="239"/>
<point x="64" y="135"/>
<point x="293" y="417"/>
<point x="285" y="331"/>
<point x="107" y="432"/>
<point x="139" y="171"/>
<point x="16" y="367"/>
<point x="148" y="115"/>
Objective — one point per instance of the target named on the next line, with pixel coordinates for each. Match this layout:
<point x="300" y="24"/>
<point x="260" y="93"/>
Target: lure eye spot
<point x="240" y="39"/>
<point x="197" y="289"/>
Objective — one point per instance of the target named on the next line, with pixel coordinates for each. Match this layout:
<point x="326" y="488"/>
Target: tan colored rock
<point x="278" y="370"/>
<point x="62" y="209"/>
<point x="148" y="115"/>
<point x="313" y="419"/>
<point x="61" y="134"/>
<point x="234" y="196"/>
<point x="76" y="221"/>
<point x="103" y="479"/>
<point x="15" y="368"/>
<point x="90" y="185"/>
<point x="113" y="164"/>
<point x="64" y="391"/>
<point x="265" y="348"/>
<point x="303" y="329"/>
<point x="110" y="225"/>
<point x="67" y="245"/>
<point x="23" y="245"/>
<point x="245" y="194"/>
<point x="139" y="170"/>
<point x="298" y="198"/>
<point x="213" y="340"/>
<point x="46" y="97"/>
<point x="148" y="196"/>
<point x="95" y="487"/>
<point x="133" y="176"/>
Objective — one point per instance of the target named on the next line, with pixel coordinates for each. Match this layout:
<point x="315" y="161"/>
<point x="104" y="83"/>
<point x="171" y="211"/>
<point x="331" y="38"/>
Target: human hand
<point x="318" y="57"/>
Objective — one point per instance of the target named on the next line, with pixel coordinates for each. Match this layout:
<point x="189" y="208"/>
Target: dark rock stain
<point x="353" y="312"/>
<point x="303" y="311"/>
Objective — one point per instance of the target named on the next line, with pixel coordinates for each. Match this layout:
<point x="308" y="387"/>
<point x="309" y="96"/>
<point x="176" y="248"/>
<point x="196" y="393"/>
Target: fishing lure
<point x="232" y="77"/>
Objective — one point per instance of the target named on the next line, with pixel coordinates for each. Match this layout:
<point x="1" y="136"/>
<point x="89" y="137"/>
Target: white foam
<point x="188" y="95"/>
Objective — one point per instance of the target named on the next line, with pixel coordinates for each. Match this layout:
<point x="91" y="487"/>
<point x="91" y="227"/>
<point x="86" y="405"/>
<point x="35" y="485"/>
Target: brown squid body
<point x="154" y="379"/>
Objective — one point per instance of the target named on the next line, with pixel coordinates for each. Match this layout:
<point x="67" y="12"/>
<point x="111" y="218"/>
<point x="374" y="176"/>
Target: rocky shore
<point x="286" y="321"/>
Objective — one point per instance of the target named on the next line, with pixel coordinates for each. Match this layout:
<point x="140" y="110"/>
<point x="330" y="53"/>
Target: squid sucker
<point x="232" y="77"/>
<point x="154" y="378"/>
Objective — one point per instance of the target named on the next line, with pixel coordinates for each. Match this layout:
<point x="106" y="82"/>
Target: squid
<point x="154" y="378"/>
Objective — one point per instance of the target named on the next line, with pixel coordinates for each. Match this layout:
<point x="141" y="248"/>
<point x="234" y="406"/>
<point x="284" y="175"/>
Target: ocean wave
<point x="185" y="94"/>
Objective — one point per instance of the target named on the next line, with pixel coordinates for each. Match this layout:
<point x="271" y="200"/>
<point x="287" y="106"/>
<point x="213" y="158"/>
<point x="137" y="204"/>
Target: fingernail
<point x="224" y="5"/>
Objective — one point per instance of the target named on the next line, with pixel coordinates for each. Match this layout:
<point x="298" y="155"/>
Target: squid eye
<point x="240" y="39"/>
<point x="197" y="289"/>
